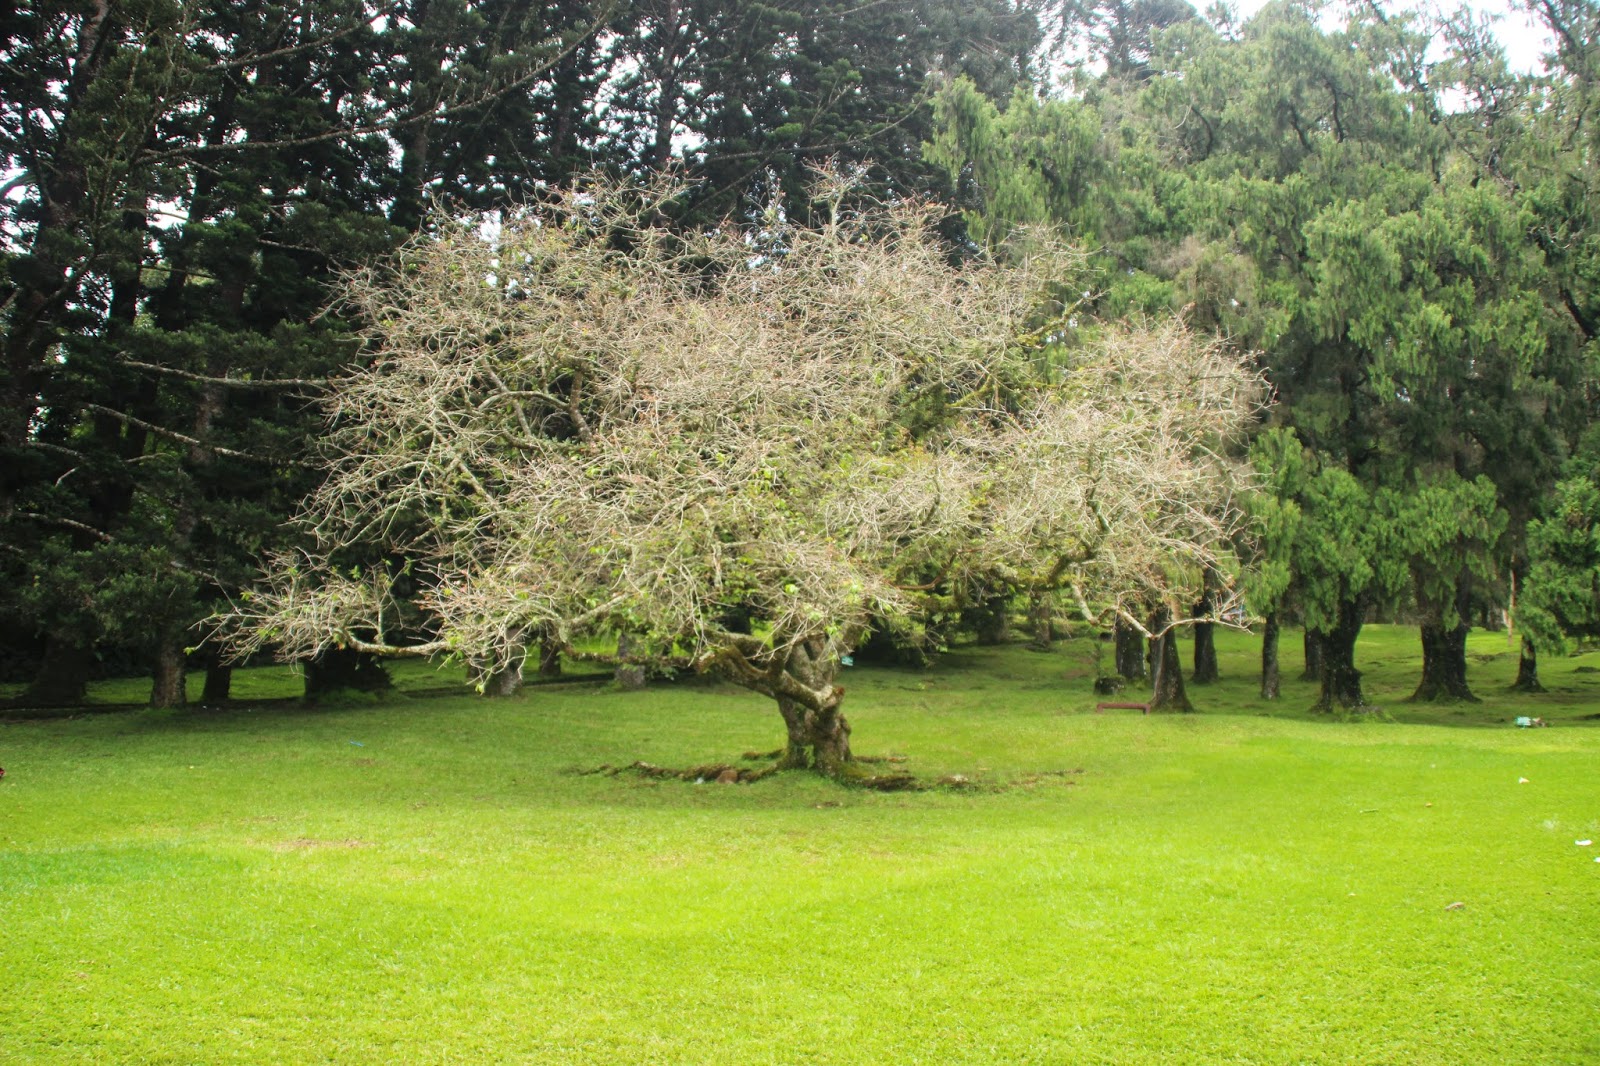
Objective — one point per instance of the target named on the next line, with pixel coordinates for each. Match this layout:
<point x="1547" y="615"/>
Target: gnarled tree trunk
<point x="1166" y="668"/>
<point x="1269" y="659"/>
<point x="818" y="735"/>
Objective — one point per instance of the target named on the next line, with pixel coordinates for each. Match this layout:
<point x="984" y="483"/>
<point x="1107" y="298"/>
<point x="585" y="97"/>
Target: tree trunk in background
<point x="1205" y="643"/>
<point x="1166" y="668"/>
<point x="1130" y="651"/>
<point x="1341" y="681"/>
<point x="1313" y="652"/>
<point x="219" y="683"/>
<point x="63" y="677"/>
<point x="1269" y="659"/>
<point x="344" y="670"/>
<point x="506" y="681"/>
<point x="629" y="676"/>
<point x="1444" y="666"/>
<point x="990" y="619"/>
<point x="168" y="673"/>
<point x="1041" y="616"/>
<point x="1527" y="670"/>
<point x="549" y="659"/>
<point x="1444" y="653"/>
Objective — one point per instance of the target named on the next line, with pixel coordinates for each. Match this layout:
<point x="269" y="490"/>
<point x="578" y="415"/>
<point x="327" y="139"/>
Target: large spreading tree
<point x="741" y="446"/>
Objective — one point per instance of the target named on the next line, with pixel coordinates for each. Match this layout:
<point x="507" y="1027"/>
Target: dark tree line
<point x="184" y="180"/>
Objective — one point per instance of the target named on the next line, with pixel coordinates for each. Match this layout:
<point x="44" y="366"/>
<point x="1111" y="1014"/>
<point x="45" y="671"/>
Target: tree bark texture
<point x="1527" y="670"/>
<point x="1269" y="659"/>
<point x="168" y="674"/>
<point x="1166" y="667"/>
<point x="1130" y="651"/>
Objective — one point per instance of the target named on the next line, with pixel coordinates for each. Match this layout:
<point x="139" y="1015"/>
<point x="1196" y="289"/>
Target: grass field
<point x="435" y="881"/>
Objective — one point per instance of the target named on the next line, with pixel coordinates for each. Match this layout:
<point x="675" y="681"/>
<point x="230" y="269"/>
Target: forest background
<point x="1394" y="219"/>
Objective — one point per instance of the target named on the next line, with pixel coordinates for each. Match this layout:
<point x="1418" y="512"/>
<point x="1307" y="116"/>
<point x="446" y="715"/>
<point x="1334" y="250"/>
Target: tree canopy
<point x="586" y="422"/>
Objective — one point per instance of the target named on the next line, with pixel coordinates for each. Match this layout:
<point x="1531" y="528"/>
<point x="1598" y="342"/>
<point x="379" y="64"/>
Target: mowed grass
<point x="434" y="881"/>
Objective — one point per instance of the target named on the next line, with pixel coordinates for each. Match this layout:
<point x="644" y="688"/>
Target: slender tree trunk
<point x="1444" y="653"/>
<point x="1205" y="644"/>
<point x="1269" y="659"/>
<point x="1166" y="667"/>
<point x="1341" y="681"/>
<point x="63" y="677"/>
<point x="1527" y="670"/>
<point x="168" y="683"/>
<point x="1130" y="651"/>
<point x="1312" y="642"/>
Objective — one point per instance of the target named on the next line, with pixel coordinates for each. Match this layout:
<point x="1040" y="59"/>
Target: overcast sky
<point x="1525" y="39"/>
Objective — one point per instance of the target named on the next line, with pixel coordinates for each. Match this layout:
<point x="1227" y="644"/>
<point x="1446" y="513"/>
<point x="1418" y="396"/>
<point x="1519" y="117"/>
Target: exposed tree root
<point x="855" y="776"/>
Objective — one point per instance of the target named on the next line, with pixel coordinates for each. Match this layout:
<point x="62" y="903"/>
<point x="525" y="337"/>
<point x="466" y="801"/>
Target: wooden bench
<point x="1143" y="707"/>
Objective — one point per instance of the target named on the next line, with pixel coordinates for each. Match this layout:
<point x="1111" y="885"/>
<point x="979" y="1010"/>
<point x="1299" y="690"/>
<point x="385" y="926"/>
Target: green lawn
<point x="432" y="881"/>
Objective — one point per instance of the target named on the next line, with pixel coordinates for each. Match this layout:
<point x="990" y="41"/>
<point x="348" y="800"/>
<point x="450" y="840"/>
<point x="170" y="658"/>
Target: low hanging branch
<point x="586" y="425"/>
<point x="229" y="382"/>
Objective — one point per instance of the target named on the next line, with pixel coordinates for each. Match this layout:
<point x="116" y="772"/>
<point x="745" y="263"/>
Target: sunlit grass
<point x="431" y="880"/>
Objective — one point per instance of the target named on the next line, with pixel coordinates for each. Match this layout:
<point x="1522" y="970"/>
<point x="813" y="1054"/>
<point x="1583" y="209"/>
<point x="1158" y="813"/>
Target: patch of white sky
<point x="1526" y="39"/>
